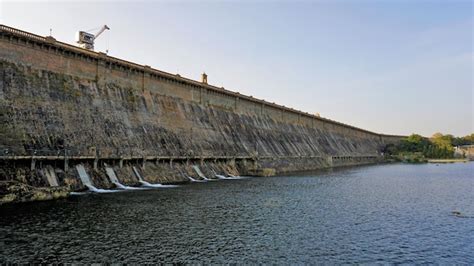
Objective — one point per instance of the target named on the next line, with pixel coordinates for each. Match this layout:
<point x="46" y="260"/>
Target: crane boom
<point x="105" y="27"/>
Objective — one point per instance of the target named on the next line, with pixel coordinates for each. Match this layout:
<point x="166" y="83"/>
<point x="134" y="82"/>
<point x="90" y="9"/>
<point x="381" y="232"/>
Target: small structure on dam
<point x="62" y="106"/>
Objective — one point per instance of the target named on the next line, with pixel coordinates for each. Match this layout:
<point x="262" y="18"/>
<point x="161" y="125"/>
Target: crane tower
<point x="86" y="39"/>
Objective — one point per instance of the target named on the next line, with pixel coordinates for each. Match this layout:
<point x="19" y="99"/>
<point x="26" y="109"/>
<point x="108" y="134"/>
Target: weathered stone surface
<point x="48" y="112"/>
<point x="76" y="107"/>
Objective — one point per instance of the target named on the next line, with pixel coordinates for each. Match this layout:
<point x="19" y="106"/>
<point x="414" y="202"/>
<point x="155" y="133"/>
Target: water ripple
<point x="377" y="214"/>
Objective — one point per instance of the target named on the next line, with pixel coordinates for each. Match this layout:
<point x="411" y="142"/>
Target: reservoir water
<point x="395" y="213"/>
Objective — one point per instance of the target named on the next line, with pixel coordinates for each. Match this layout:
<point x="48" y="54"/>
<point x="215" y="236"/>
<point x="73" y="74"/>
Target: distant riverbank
<point x="418" y="158"/>
<point x="437" y="149"/>
<point x="448" y="160"/>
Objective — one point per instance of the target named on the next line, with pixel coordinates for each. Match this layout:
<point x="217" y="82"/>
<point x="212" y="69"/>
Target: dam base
<point x="107" y="175"/>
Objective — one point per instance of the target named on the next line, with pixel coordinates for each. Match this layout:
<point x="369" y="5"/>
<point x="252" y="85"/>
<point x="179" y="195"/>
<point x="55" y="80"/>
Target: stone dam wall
<point x="62" y="106"/>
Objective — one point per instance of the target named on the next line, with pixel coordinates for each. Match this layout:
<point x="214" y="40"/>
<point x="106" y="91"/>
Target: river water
<point x="395" y="213"/>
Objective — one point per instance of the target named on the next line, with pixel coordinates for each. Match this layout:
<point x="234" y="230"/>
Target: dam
<point x="62" y="106"/>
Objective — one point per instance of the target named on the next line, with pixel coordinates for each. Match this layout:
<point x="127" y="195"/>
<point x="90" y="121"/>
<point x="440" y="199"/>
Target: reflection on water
<point x="387" y="213"/>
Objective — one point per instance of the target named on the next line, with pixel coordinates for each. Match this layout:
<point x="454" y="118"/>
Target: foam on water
<point x="233" y="177"/>
<point x="146" y="184"/>
<point x="100" y="190"/>
<point x="149" y="185"/>
<point x="195" y="180"/>
<point x="221" y="177"/>
<point x="121" y="186"/>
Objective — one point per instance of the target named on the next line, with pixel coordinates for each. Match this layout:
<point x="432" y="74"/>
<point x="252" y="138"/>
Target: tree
<point x="469" y="139"/>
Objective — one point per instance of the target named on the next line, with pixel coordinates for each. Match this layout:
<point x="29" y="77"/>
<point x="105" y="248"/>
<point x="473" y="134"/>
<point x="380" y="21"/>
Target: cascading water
<point x="86" y="181"/>
<point x="192" y="179"/>
<point x="137" y="174"/>
<point x="230" y="177"/>
<point x="146" y="184"/>
<point x="199" y="173"/>
<point x="51" y="176"/>
<point x="196" y="180"/>
<point x="83" y="176"/>
<point x="113" y="178"/>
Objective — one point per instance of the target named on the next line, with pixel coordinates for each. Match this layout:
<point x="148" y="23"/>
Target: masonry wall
<point x="57" y="99"/>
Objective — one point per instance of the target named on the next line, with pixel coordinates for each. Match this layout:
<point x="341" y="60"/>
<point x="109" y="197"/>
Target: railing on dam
<point x="176" y="158"/>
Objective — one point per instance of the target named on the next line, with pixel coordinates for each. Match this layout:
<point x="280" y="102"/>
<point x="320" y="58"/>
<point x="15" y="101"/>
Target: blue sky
<point x="394" y="67"/>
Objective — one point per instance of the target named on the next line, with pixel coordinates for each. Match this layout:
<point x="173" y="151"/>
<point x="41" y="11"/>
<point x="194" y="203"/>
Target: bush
<point x="416" y="148"/>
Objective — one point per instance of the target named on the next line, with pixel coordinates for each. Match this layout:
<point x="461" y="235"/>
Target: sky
<point x="394" y="66"/>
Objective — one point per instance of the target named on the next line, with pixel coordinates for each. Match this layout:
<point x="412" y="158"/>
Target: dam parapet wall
<point x="61" y="105"/>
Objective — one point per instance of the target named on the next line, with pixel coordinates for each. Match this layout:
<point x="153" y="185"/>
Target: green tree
<point x="438" y="146"/>
<point x="444" y="144"/>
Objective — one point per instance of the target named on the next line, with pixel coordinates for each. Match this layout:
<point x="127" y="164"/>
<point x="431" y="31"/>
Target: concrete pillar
<point x="101" y="70"/>
<point x="121" y="163"/>
<point x="33" y="164"/>
<point x="330" y="161"/>
<point x="146" y="70"/>
<point x="236" y="107"/>
<point x="143" y="163"/>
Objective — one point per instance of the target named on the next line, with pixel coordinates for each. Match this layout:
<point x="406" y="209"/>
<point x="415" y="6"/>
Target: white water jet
<point x="137" y="174"/>
<point x="113" y="178"/>
<point x="51" y="176"/>
<point x="200" y="174"/>
<point x="83" y="175"/>
<point x="146" y="184"/>
<point x="86" y="181"/>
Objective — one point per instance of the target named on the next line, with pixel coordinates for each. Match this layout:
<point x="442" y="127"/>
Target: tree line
<point x="437" y="146"/>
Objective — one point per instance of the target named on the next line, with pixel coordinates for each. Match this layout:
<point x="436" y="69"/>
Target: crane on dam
<point x="86" y="39"/>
